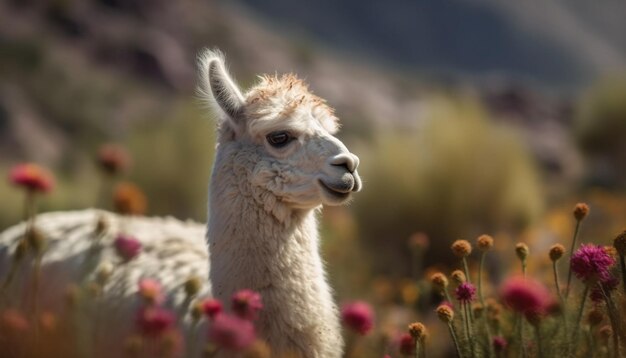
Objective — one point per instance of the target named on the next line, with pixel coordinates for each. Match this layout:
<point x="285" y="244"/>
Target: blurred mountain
<point x="561" y="43"/>
<point x="76" y="73"/>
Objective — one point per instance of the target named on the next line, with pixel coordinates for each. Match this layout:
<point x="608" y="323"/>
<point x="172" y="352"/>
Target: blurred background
<point x="469" y="117"/>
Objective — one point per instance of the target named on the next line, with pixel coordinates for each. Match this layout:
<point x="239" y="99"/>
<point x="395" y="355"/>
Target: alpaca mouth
<point x="336" y="192"/>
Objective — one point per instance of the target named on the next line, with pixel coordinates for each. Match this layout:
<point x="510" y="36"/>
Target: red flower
<point x="113" y="158"/>
<point x="592" y="263"/>
<point x="358" y="316"/>
<point x="211" y="307"/>
<point x="231" y="332"/>
<point x="154" y="320"/>
<point x="406" y="345"/>
<point x="127" y="247"/>
<point x="32" y="177"/>
<point x="465" y="293"/>
<point x="247" y="304"/>
<point x="526" y="295"/>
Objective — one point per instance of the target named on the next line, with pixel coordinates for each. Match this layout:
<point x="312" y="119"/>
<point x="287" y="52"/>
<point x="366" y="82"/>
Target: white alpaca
<point x="277" y="162"/>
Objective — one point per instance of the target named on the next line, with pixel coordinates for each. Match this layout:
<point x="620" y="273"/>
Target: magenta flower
<point x="231" y="332"/>
<point x="211" y="307"/>
<point x="127" y="247"/>
<point x="525" y="295"/>
<point x="406" y="345"/>
<point x="32" y="177"/>
<point x="465" y="293"/>
<point x="609" y="285"/>
<point x="358" y="316"/>
<point x="247" y="304"/>
<point x="154" y="320"/>
<point x="499" y="344"/>
<point x="591" y="263"/>
<point x="151" y="290"/>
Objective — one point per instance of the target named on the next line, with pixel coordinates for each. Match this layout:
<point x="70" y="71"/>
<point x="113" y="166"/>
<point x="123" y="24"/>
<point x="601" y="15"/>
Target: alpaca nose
<point x="346" y="160"/>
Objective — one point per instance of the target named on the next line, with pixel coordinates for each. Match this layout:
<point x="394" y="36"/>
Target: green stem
<point x="571" y="253"/>
<point x="417" y="348"/>
<point x="538" y="339"/>
<point x="520" y="334"/>
<point x="612" y="314"/>
<point x="455" y="339"/>
<point x="580" y="316"/>
<point x="482" y="303"/>
<point x="468" y="328"/>
<point x="466" y="268"/>
<point x="556" y="281"/>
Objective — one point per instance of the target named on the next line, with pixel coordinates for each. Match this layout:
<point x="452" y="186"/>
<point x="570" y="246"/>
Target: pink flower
<point x="406" y="345"/>
<point x="151" y="290"/>
<point x="525" y="295"/>
<point x="247" y="304"/>
<point x="358" y="316"/>
<point x="13" y="320"/>
<point x="499" y="344"/>
<point x="231" y="332"/>
<point x="127" y="247"/>
<point x="154" y="320"/>
<point x="32" y="177"/>
<point x="211" y="307"/>
<point x="609" y="285"/>
<point x="591" y="263"/>
<point x="465" y="293"/>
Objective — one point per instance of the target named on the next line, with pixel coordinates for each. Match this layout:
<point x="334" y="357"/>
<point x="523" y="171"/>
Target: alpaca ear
<point x="218" y="88"/>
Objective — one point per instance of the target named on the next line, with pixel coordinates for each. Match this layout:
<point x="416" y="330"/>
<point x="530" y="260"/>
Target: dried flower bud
<point x="611" y="251"/>
<point x="48" y="321"/>
<point x="36" y="240"/>
<point x="484" y="242"/>
<point x="439" y="281"/>
<point x="522" y="251"/>
<point x="418" y="241"/>
<point x="461" y="248"/>
<point x="128" y="199"/>
<point x="101" y="224"/>
<point x="417" y="330"/>
<point x="581" y="210"/>
<point x="113" y="158"/>
<point x="258" y="349"/>
<point x="104" y="272"/>
<point x="620" y="243"/>
<point x="458" y="277"/>
<point x="445" y="313"/>
<point x="478" y="310"/>
<point x="556" y="252"/>
<point x="595" y="317"/>
<point x="193" y="285"/>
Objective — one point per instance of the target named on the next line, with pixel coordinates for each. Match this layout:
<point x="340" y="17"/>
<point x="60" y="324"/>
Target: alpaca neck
<point x="256" y="242"/>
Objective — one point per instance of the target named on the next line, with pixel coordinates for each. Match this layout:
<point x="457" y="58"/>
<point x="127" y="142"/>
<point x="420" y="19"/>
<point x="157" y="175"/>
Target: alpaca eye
<point x="279" y="139"/>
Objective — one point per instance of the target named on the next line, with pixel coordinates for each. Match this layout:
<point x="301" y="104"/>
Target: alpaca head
<point x="290" y="132"/>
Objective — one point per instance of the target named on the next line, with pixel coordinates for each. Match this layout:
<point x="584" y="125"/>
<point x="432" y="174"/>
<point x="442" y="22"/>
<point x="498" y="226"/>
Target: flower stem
<point x="468" y="327"/>
<point x="580" y="316"/>
<point x="556" y="281"/>
<point x="520" y="334"/>
<point x="417" y="348"/>
<point x="612" y="315"/>
<point x="482" y="303"/>
<point x="538" y="339"/>
<point x="455" y="339"/>
<point x="466" y="268"/>
<point x="571" y="253"/>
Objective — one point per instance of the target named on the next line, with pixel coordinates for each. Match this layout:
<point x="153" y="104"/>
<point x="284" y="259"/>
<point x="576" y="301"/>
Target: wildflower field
<point x="575" y="306"/>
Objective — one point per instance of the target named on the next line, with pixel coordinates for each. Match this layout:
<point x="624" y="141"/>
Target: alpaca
<point x="277" y="162"/>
